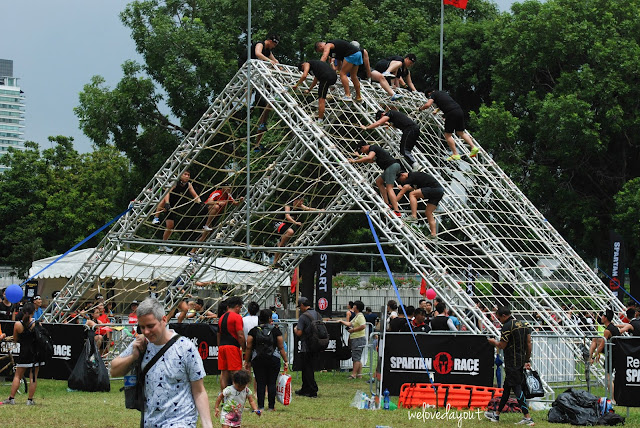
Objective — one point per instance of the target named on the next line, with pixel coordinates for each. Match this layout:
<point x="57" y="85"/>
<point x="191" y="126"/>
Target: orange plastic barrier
<point x="456" y="396"/>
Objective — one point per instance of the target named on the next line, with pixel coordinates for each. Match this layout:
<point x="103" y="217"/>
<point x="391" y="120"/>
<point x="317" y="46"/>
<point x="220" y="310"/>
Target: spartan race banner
<point x="454" y="359"/>
<point x="68" y="342"/>
<point x="626" y="361"/>
<point x="617" y="265"/>
<point x="327" y="359"/>
<point x="324" y="275"/>
<point x="205" y="337"/>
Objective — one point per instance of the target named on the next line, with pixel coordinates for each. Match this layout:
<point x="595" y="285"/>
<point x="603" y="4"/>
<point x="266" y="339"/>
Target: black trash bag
<point x="574" y="407"/>
<point x="611" y="419"/>
<point x="90" y="373"/>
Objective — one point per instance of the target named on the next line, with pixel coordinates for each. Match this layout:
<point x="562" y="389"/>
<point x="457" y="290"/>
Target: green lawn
<point x="57" y="408"/>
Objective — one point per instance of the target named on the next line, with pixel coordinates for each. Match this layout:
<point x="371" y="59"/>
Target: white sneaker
<point x="415" y="166"/>
<point x="207" y="228"/>
<point x="155" y="220"/>
<point x="396" y="97"/>
<point x="526" y="421"/>
<point x="10" y="401"/>
<point x="347" y="99"/>
<point x="31" y="403"/>
<point x="388" y="74"/>
<point x="168" y="250"/>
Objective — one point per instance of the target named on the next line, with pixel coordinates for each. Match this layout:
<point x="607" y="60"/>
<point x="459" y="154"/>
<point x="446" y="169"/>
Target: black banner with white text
<point x="616" y="282"/>
<point x="626" y="361"/>
<point x="449" y="358"/>
<point x="324" y="276"/>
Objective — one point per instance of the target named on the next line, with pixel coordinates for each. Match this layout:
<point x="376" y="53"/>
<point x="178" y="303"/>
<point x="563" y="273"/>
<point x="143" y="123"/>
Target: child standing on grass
<point x="234" y="398"/>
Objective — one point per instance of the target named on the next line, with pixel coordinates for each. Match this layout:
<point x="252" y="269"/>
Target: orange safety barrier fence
<point x="456" y="396"/>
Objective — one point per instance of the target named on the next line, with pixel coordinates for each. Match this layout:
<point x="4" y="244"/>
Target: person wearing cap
<point x="394" y="69"/>
<point x="286" y="225"/>
<point x="37" y="302"/>
<point x="515" y="341"/>
<point x="453" y="120"/>
<point x="350" y="59"/>
<point x="133" y="316"/>
<point x="390" y="167"/>
<point x="203" y="314"/>
<point x="421" y="185"/>
<point x="309" y="359"/>
<point x="410" y="131"/>
<point x="322" y="74"/>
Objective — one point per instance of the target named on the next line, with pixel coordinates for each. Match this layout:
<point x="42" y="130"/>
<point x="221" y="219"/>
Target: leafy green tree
<point x="54" y="198"/>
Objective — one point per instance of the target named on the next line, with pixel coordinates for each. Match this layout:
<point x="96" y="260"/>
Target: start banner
<point x="449" y="358"/>
<point x="626" y="361"/>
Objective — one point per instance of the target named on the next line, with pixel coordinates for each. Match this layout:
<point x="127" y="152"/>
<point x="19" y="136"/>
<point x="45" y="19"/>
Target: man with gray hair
<point x="173" y="386"/>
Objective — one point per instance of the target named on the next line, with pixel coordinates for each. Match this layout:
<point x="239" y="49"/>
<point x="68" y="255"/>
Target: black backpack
<point x="318" y="336"/>
<point x="265" y="340"/>
<point x="42" y="344"/>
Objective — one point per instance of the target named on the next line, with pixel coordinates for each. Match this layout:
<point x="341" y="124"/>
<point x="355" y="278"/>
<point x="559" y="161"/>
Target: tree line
<point x="551" y="90"/>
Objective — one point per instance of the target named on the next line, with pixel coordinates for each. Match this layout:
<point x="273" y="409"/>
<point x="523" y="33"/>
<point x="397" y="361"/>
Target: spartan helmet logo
<point x="533" y="383"/>
<point x="443" y="363"/>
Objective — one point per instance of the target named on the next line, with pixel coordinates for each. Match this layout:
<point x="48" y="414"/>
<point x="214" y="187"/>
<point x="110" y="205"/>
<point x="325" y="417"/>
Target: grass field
<point x="58" y="408"/>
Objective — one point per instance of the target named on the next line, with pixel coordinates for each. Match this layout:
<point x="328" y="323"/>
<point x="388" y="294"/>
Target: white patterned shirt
<point x="169" y="401"/>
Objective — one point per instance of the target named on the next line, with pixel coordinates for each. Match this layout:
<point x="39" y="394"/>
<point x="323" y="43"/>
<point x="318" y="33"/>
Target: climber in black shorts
<point x="410" y="131"/>
<point x="421" y="185"/>
<point x="288" y="223"/>
<point x="324" y="76"/>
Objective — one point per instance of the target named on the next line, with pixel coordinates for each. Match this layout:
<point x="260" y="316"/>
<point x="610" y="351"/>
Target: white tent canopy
<point x="145" y="267"/>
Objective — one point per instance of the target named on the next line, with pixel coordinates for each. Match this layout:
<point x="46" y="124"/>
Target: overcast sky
<point x="56" y="47"/>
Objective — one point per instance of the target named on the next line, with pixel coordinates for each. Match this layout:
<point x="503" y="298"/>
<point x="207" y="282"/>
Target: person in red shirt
<point x="133" y="316"/>
<point x="231" y="341"/>
<point x="217" y="202"/>
<point x="103" y="334"/>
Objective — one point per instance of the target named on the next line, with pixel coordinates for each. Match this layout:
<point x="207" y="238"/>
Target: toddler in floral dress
<point x="234" y="397"/>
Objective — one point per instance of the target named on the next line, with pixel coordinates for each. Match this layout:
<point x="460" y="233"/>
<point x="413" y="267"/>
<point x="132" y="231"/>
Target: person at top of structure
<point x="453" y="120"/>
<point x="350" y="58"/>
<point x="287" y="223"/>
<point x="364" y="72"/>
<point x="394" y="70"/>
<point x="322" y="74"/>
<point x="172" y="200"/>
<point x="390" y="167"/>
<point x="426" y="187"/>
<point x="264" y="51"/>
<point x="410" y="132"/>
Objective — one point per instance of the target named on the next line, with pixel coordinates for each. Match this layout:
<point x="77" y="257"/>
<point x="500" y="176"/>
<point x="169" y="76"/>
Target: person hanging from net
<point x="171" y="201"/>
<point x="453" y="120"/>
<point x="394" y="70"/>
<point x="410" y="132"/>
<point x="369" y="153"/>
<point x="216" y="203"/>
<point x="324" y="76"/>
<point x="350" y="59"/>
<point x="288" y="223"/>
<point x="421" y="185"/>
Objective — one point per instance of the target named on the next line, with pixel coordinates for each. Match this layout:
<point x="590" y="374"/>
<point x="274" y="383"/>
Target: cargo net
<point x="491" y="240"/>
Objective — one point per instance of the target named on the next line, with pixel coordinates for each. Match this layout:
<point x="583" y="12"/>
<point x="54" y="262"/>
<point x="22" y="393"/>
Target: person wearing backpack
<point x="308" y="356"/>
<point x="24" y="335"/>
<point x="265" y="346"/>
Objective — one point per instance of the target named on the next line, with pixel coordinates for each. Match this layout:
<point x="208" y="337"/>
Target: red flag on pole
<point x="423" y="287"/>
<point x="294" y="281"/>
<point x="462" y="4"/>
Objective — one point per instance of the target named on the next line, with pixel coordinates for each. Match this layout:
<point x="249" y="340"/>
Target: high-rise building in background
<point x="11" y="110"/>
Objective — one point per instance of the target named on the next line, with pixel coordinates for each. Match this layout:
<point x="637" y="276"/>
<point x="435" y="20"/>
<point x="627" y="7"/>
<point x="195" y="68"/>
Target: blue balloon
<point x="14" y="293"/>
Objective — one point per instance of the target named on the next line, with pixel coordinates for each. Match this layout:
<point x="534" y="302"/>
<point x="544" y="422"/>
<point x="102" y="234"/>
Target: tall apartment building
<point x="11" y="110"/>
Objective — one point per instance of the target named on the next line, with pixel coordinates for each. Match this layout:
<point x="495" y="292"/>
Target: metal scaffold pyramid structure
<point x="486" y="226"/>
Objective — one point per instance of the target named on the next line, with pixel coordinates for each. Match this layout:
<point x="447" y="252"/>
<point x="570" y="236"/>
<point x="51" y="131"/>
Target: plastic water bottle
<point x="363" y="401"/>
<point x="386" y="400"/>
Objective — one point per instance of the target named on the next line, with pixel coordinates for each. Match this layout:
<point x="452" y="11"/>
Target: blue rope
<point x="386" y="265"/>
<point x="78" y="244"/>
<point x="621" y="286"/>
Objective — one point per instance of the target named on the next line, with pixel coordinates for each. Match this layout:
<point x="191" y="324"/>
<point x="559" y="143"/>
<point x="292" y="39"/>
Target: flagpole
<point x="441" y="42"/>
